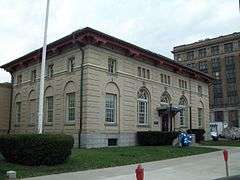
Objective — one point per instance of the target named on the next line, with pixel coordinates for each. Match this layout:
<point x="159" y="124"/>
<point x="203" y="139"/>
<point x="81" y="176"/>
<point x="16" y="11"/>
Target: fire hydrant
<point x="139" y="172"/>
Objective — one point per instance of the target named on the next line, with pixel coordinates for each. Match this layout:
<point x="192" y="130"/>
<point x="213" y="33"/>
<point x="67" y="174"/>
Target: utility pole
<point x="41" y="89"/>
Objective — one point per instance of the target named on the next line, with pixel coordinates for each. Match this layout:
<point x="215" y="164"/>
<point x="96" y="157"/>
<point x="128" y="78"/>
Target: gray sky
<point x="157" y="25"/>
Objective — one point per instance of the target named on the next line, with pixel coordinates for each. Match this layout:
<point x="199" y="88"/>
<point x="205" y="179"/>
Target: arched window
<point x="49" y="105"/>
<point x="32" y="107"/>
<point x="165" y="98"/>
<point x="184" y="112"/>
<point x="200" y="115"/>
<point x="18" y="109"/>
<point x="70" y="95"/>
<point x="142" y="106"/>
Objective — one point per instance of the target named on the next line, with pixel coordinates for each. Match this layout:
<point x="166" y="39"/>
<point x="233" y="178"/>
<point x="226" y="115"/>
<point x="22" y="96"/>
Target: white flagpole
<point x="41" y="89"/>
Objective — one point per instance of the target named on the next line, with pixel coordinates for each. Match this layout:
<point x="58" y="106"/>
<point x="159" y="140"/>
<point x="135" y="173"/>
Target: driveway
<point x="204" y="166"/>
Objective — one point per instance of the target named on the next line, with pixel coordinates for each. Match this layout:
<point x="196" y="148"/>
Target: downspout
<point x="10" y="110"/>
<point x="81" y="91"/>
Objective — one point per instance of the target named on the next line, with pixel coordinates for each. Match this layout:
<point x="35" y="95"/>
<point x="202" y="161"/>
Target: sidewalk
<point x="197" y="167"/>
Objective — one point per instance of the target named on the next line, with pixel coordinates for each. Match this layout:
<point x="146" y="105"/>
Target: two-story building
<point x="102" y="90"/>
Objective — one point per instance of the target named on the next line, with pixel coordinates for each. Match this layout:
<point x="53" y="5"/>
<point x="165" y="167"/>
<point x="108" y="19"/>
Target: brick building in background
<point x="5" y="101"/>
<point x="219" y="57"/>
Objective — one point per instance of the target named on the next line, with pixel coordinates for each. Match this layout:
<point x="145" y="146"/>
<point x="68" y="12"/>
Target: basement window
<point x="112" y="142"/>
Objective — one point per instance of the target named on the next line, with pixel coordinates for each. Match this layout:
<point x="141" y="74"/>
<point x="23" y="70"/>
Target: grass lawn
<point x="83" y="159"/>
<point x="222" y="143"/>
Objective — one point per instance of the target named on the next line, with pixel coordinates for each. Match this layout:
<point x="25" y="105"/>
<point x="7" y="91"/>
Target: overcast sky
<point x="157" y="25"/>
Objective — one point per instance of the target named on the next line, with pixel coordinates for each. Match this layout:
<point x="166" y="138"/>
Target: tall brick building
<point x="219" y="57"/>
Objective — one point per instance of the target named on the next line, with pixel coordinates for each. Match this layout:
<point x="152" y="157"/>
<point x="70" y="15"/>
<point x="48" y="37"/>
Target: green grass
<point x="83" y="159"/>
<point x="222" y="143"/>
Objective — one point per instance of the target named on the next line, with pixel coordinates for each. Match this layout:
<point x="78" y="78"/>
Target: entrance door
<point x="165" y="122"/>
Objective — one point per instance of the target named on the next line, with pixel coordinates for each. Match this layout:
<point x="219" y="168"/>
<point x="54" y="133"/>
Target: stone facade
<point x="5" y="99"/>
<point x="219" y="57"/>
<point x="124" y="84"/>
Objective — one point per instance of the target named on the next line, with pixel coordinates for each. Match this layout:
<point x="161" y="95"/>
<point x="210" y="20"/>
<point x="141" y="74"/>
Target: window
<point x="203" y="66"/>
<point x="233" y="118"/>
<point x="200" y="117"/>
<point x="216" y="75"/>
<point x="49" y="104"/>
<point x="71" y="64"/>
<point x="33" y="75"/>
<point x="18" y="112"/>
<point x="182" y="84"/>
<point x="112" y="142"/>
<point x="218" y="116"/>
<point x="238" y="44"/>
<point x="200" y="90"/>
<point x="216" y="66"/>
<point x="228" y="47"/>
<point x="230" y="75"/>
<point x="202" y="53"/>
<point x="184" y="112"/>
<point x="110" y="108"/>
<point x="217" y="91"/>
<point x="71" y="107"/>
<point x="178" y="57"/>
<point x="165" y="98"/>
<point x="19" y="79"/>
<point x="142" y="107"/>
<point x="232" y="100"/>
<point x="111" y="66"/>
<point x="165" y="79"/>
<point x="142" y="72"/>
<point x="32" y="107"/>
<point x="50" y="70"/>
<point x="215" y="50"/>
<point x="217" y="102"/>
<point x="190" y="55"/>
<point x="231" y="89"/>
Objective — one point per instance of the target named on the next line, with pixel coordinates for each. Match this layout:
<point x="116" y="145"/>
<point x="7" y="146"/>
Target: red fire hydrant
<point x="139" y="172"/>
<point x="225" y="155"/>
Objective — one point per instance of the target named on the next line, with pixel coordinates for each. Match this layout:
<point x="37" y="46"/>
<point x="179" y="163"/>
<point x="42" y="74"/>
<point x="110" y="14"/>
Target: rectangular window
<point x="33" y="110"/>
<point x="110" y="108"/>
<point x="215" y="50"/>
<point x="19" y="79"/>
<point x="143" y="73"/>
<point x="18" y="112"/>
<point x="71" y="107"/>
<point x="200" y="90"/>
<point x="216" y="66"/>
<point x="49" y="104"/>
<point x="162" y="78"/>
<point x="169" y="80"/>
<point x="182" y="84"/>
<point x="228" y="47"/>
<point x="218" y="116"/>
<point x="139" y="71"/>
<point x="233" y="118"/>
<point x="71" y="64"/>
<point x="165" y="79"/>
<point x="190" y="55"/>
<point x="203" y="66"/>
<point x="112" y="142"/>
<point x="142" y="112"/>
<point x="202" y="53"/>
<point x="148" y="74"/>
<point x="33" y="75"/>
<point x="200" y="117"/>
<point x="50" y="70"/>
<point x="111" y="66"/>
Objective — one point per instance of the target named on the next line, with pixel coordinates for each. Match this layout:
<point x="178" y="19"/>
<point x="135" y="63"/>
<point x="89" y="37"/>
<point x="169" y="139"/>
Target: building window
<point x="110" y="108"/>
<point x="233" y="118"/>
<point x="178" y="57"/>
<point x="71" y="64"/>
<point x="112" y="66"/>
<point x="50" y="70"/>
<point x="32" y="107"/>
<point x="202" y="53"/>
<point x="200" y="90"/>
<point x="165" y="79"/>
<point x="112" y="142"/>
<point x="203" y="66"/>
<point x="142" y="72"/>
<point x="190" y="55"/>
<point x="18" y="112"/>
<point x="142" y="107"/>
<point x="19" y="79"/>
<point x="33" y="75"/>
<point x="232" y="100"/>
<point x="228" y="47"/>
<point x="218" y="116"/>
<point x="215" y="50"/>
<point x="184" y="112"/>
<point x="71" y="107"/>
<point x="182" y="84"/>
<point x="200" y="117"/>
<point x="216" y="66"/>
<point x="49" y="104"/>
<point x="230" y="75"/>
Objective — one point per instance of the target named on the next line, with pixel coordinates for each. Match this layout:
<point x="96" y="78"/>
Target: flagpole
<point x="41" y="89"/>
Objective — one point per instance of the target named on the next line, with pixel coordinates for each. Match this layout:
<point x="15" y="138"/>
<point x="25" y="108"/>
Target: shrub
<point x="36" y="149"/>
<point x="155" y="138"/>
<point x="199" y="134"/>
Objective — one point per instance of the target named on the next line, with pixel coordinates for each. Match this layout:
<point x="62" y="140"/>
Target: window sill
<point x="143" y="125"/>
<point x="48" y="124"/>
<point x="69" y="123"/>
<point x="110" y="124"/>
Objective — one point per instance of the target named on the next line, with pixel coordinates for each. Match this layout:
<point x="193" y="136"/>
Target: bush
<point x="155" y="138"/>
<point x="36" y="149"/>
<point x="199" y="134"/>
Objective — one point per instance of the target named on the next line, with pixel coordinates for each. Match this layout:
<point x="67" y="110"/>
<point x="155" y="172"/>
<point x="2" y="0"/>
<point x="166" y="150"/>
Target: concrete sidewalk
<point x="204" y="166"/>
